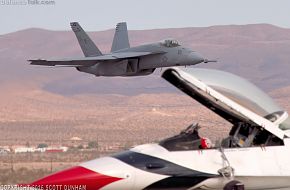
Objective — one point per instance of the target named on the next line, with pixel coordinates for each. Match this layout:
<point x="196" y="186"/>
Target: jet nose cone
<point x="196" y="58"/>
<point x="80" y="177"/>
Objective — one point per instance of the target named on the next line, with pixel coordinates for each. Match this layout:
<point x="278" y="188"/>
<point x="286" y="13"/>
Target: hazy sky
<point x="146" y="14"/>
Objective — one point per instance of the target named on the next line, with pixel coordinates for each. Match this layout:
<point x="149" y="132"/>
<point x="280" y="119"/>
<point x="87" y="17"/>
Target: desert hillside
<point x="51" y="106"/>
<point x="35" y="102"/>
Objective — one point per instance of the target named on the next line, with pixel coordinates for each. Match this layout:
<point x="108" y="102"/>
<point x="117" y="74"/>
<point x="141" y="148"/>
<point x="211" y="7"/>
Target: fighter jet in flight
<point x="123" y="59"/>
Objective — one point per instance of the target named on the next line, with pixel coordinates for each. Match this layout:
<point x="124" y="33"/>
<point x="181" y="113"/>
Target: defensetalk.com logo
<point x="27" y="2"/>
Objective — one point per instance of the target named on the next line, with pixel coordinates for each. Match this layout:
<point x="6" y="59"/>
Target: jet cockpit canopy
<point x="232" y="97"/>
<point x="170" y="43"/>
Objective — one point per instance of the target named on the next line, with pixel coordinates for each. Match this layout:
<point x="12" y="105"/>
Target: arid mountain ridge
<point x="52" y="105"/>
<point x="259" y="52"/>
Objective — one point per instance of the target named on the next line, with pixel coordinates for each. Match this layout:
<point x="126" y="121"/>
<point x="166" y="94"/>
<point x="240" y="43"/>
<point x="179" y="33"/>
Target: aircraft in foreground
<point x="123" y="59"/>
<point x="254" y="156"/>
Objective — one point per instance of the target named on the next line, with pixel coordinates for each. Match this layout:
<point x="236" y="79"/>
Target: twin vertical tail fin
<point x="89" y="48"/>
<point x="121" y="39"/>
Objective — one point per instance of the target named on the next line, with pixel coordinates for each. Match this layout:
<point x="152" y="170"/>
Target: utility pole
<point x="12" y="163"/>
<point x="51" y="164"/>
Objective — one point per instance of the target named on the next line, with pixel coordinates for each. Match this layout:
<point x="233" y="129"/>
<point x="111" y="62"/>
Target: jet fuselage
<point x="145" y="65"/>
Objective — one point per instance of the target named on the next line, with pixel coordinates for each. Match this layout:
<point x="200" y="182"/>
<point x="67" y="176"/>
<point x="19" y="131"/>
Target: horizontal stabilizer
<point x="70" y="63"/>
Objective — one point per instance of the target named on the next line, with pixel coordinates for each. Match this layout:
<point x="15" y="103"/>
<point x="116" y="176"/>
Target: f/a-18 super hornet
<point x="123" y="59"/>
<point x="255" y="155"/>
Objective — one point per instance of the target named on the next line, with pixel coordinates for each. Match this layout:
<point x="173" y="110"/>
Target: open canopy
<point x="231" y="97"/>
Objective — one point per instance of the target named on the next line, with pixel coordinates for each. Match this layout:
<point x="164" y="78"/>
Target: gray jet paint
<point x="123" y="59"/>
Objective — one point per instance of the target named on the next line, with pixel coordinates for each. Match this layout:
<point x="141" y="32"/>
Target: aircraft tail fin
<point x="89" y="48"/>
<point x="121" y="40"/>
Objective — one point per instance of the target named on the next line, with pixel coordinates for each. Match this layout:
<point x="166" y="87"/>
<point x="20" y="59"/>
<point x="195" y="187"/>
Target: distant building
<point x="75" y="139"/>
<point x="4" y="151"/>
<point x="44" y="149"/>
<point x="24" y="149"/>
<point x="56" y="149"/>
<point x="40" y="149"/>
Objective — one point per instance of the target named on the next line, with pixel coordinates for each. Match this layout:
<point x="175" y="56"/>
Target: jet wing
<point x="89" y="61"/>
<point x="222" y="101"/>
<point x="124" y="55"/>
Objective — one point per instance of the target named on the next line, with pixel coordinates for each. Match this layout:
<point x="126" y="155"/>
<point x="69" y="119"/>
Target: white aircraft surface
<point x="255" y="155"/>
